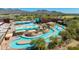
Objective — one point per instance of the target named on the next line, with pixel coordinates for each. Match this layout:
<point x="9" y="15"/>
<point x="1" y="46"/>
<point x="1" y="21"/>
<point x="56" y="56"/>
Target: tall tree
<point x="39" y="44"/>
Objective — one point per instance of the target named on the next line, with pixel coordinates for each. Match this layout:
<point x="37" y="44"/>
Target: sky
<point x="64" y="10"/>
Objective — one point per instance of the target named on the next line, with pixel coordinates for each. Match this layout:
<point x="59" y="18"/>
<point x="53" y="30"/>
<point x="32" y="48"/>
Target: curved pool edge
<point x="45" y="36"/>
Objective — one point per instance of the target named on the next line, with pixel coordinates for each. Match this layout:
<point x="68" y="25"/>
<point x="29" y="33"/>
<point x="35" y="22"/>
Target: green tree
<point x="71" y="30"/>
<point x="39" y="44"/>
<point x="53" y="43"/>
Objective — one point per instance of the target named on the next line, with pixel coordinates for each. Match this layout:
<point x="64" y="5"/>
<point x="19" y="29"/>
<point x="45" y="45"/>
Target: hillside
<point x="18" y="11"/>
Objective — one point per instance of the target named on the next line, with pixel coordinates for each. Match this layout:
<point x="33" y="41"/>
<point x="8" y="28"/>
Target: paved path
<point x="3" y="30"/>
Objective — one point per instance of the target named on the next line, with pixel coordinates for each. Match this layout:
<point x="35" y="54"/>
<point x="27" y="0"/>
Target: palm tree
<point x="53" y="43"/>
<point x="39" y="44"/>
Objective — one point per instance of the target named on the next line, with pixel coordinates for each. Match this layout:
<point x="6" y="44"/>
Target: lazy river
<point x="52" y="32"/>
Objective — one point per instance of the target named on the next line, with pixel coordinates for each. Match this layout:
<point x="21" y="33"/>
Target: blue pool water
<point x="29" y="26"/>
<point x="24" y="22"/>
<point x="45" y="36"/>
<point x="16" y="46"/>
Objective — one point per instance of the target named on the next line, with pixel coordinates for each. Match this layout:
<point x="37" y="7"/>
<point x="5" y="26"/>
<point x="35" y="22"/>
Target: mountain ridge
<point x="19" y="11"/>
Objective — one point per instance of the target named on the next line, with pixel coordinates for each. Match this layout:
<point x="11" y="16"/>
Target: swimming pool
<point x="29" y="26"/>
<point x="54" y="33"/>
<point x="23" y="22"/>
<point x="20" y="38"/>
